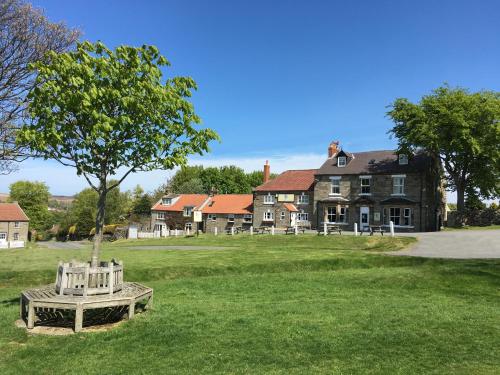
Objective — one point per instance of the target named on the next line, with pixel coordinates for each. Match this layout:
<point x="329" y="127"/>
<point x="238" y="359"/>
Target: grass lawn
<point x="271" y="304"/>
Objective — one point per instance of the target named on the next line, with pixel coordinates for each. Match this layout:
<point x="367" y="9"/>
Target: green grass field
<point x="271" y="304"/>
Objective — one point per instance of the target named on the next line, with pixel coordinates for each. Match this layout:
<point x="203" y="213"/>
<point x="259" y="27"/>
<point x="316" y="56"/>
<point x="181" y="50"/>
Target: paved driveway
<point x="460" y="244"/>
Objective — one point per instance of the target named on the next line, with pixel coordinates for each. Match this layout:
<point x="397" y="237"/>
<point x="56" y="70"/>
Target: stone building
<point x="227" y="210"/>
<point x="368" y="188"/>
<point x="286" y="200"/>
<point x="14" y="225"/>
<point x="376" y="187"/>
<point x="222" y="211"/>
<point x="175" y="212"/>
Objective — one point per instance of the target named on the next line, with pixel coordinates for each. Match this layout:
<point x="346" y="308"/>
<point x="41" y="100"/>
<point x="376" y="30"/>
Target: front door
<point x="364" y="218"/>
<point x="293" y="218"/>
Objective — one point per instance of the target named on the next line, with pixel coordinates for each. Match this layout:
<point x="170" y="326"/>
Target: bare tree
<point x="25" y="37"/>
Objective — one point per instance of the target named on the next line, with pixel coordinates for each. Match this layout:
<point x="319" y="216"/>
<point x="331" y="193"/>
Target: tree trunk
<point x="99" y="224"/>
<point x="460" y="205"/>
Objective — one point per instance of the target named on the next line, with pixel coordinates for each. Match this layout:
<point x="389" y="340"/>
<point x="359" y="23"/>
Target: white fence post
<point x="355" y="229"/>
<point x="272" y="230"/>
<point x="215" y="231"/>
<point x="296" y="230"/>
<point x="187" y="231"/>
<point x="251" y="230"/>
<point x="324" y="229"/>
<point x="391" y="226"/>
<point x="232" y="231"/>
<point x="175" y="232"/>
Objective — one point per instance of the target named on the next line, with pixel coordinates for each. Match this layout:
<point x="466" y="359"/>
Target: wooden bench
<point x="45" y="299"/>
<point x="262" y="230"/>
<point x="330" y="229"/>
<point x="373" y="229"/>
<point x="291" y="230"/>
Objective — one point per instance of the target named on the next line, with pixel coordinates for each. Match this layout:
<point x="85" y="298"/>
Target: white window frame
<point x="343" y="163"/>
<point x="396" y="219"/>
<point x="3" y="236"/>
<point x="166" y="201"/>
<point x="336" y="185"/>
<point x="16" y="236"/>
<point x="269" y="198"/>
<point x="247" y="218"/>
<point x="369" y="186"/>
<point x="187" y="211"/>
<point x="16" y="224"/>
<point x="403" y="159"/>
<point x="407" y="217"/>
<point x="188" y="226"/>
<point x="160" y="215"/>
<point x="303" y="199"/>
<point x="212" y="217"/>
<point x="282" y="215"/>
<point x="303" y="216"/>
<point x="340" y="216"/>
<point x="230" y="218"/>
<point x="268" y="216"/>
<point x="399" y="188"/>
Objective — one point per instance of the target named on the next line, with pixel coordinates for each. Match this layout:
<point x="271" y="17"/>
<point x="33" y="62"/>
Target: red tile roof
<point x="229" y="204"/>
<point x="12" y="212"/>
<point x="291" y="207"/>
<point x="193" y="200"/>
<point x="294" y="180"/>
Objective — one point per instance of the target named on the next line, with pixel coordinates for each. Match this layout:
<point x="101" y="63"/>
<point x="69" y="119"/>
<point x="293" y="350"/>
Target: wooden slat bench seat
<point x="46" y="297"/>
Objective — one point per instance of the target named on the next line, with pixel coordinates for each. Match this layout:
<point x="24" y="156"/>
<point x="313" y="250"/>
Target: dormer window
<point x="166" y="201"/>
<point x="341" y="161"/>
<point x="403" y="159"/>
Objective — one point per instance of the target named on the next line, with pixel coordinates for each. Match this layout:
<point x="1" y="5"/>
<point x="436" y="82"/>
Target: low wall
<point x="11" y="244"/>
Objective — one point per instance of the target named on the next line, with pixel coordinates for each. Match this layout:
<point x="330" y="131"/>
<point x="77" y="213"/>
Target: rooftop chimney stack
<point x="267" y="171"/>
<point x="333" y="149"/>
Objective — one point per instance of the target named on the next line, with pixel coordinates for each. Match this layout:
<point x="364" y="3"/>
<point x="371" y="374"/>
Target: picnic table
<point x="373" y="229"/>
<point x="330" y="229"/>
<point x="262" y="230"/>
<point x="291" y="229"/>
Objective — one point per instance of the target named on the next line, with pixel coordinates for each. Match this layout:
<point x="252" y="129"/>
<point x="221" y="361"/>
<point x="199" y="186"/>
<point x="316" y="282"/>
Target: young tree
<point x="459" y="128"/>
<point x="109" y="113"/>
<point x="25" y="36"/>
<point x="33" y="197"/>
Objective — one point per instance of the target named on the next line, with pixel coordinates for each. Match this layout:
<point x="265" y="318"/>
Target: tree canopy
<point x="25" y="37"/>
<point x="110" y="113"/>
<point x="33" y="197"/>
<point x="224" y="180"/>
<point x="459" y="128"/>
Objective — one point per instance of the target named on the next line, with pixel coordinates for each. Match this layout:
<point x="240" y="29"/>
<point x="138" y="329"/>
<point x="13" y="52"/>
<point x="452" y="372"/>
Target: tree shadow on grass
<point x="10" y="302"/>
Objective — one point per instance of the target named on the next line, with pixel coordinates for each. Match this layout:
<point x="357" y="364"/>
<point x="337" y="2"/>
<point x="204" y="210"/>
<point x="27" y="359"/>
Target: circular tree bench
<point x="46" y="299"/>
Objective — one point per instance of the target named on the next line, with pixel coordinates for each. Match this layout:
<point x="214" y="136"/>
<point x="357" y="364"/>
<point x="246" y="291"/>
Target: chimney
<point x="333" y="149"/>
<point x="267" y="171"/>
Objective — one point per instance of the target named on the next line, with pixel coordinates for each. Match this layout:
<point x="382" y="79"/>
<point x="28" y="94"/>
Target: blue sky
<point x="280" y="79"/>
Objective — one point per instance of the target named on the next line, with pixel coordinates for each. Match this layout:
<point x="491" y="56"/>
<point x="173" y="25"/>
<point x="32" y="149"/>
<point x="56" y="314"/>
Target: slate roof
<point x="12" y="212"/>
<point x="374" y="162"/>
<point x="292" y="180"/>
<point x="229" y="204"/>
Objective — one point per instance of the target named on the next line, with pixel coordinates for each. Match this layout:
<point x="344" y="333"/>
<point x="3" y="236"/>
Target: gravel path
<point x="459" y="244"/>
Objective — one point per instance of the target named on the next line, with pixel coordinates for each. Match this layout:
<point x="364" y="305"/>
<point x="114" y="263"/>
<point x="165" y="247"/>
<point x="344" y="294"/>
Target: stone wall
<point x="9" y="227"/>
<point x="222" y="223"/>
<point x="277" y="208"/>
<point x="421" y="189"/>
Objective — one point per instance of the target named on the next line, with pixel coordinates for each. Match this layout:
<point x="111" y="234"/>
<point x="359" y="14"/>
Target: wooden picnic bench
<point x="373" y="229"/>
<point x="330" y="229"/>
<point x="262" y="230"/>
<point x="291" y="229"/>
